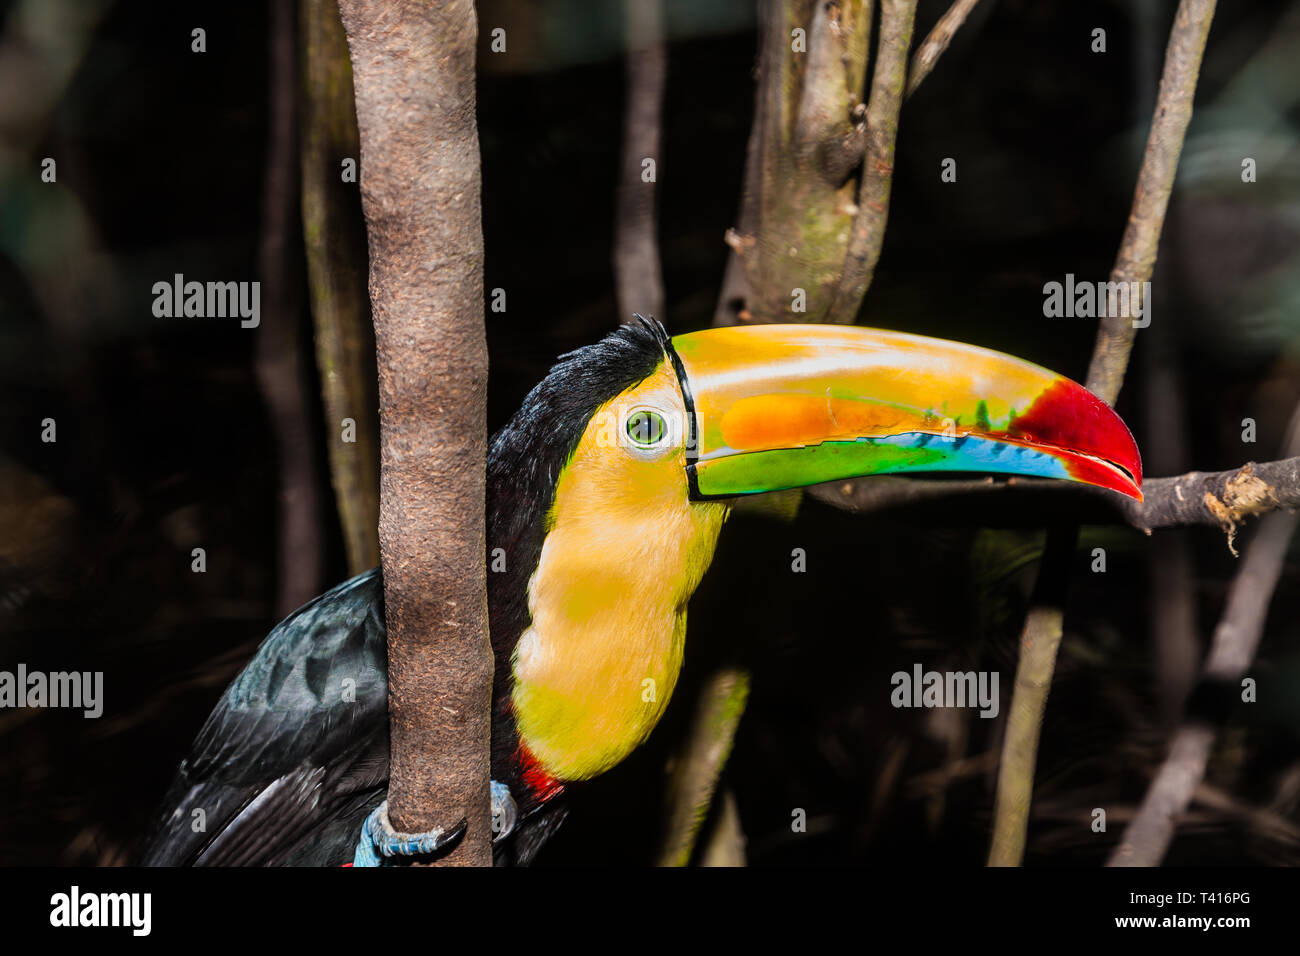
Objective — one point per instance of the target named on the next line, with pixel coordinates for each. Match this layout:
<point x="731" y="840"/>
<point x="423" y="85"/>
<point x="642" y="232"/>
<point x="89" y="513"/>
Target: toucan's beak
<point x="782" y="406"/>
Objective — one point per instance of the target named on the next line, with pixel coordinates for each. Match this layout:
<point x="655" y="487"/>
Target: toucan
<point x="606" y="493"/>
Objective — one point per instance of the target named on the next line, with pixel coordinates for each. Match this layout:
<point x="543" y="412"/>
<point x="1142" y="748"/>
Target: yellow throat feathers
<point x="623" y="552"/>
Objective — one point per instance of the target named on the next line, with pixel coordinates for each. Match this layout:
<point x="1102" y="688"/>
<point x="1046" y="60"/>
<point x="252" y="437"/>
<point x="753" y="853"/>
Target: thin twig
<point x="638" y="274"/>
<point x="1137" y="251"/>
<point x="928" y="53"/>
<point x="1135" y="262"/>
<point x="1232" y="649"/>
<point x="1147" y="838"/>
<point x="1039" y="642"/>
<point x="281" y="375"/>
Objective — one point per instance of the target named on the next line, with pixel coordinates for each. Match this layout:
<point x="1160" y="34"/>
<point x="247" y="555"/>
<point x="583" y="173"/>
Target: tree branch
<point x="720" y="706"/>
<point x="1236" y="639"/>
<point x="928" y="53"/>
<point x="281" y="375"/>
<point x="1039" y="642"/>
<point x="1137" y="251"/>
<point x="334" y="231"/>
<point x="1232" y="649"/>
<point x="868" y="232"/>
<point x="799" y="200"/>
<point x="413" y="68"/>
<point x="1221" y="498"/>
<point x="638" y="274"/>
<point x="829" y="124"/>
<point x="1134" y="263"/>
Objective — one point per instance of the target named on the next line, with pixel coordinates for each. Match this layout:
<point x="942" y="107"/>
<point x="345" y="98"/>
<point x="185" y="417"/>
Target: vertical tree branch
<point x="413" y="68"/>
<point x="798" y="202"/>
<point x="638" y="275"/>
<point x="334" y="230"/>
<point x="1137" y="251"/>
<point x="802" y="221"/>
<point x="735" y="299"/>
<point x="1039" y="642"/>
<point x="279" y="367"/>
<point x="868" y="233"/>
<point x="713" y="730"/>
<point x="1134" y="263"/>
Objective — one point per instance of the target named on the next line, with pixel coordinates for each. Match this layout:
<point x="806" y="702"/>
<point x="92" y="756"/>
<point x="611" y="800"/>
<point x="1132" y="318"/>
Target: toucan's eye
<point x="646" y="427"/>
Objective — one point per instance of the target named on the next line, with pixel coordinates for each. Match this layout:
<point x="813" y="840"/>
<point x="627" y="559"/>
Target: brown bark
<point x="413" y="66"/>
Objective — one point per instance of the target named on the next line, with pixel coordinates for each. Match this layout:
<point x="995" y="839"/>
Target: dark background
<point x="164" y="442"/>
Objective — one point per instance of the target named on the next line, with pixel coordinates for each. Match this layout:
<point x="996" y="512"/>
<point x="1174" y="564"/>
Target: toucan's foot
<point x="381" y="845"/>
<point x="504" y="812"/>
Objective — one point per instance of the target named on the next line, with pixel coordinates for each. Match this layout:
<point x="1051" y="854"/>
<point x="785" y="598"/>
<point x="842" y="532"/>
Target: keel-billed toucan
<point x="606" y="492"/>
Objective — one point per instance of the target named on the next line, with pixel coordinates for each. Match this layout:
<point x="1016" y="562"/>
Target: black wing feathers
<point x="295" y="738"/>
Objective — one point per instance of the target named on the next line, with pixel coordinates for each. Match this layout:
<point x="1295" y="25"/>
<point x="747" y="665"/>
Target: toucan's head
<point x="630" y="450"/>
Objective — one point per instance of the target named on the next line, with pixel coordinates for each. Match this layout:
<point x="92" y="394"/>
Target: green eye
<point x="646" y="428"/>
